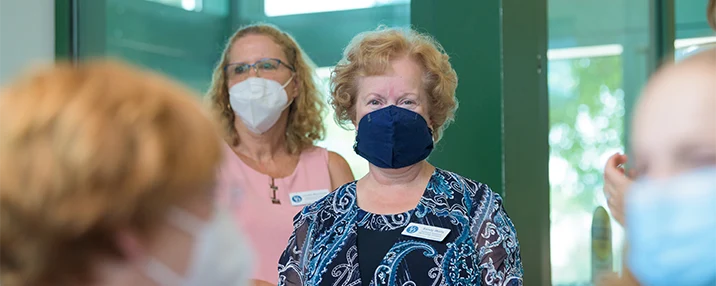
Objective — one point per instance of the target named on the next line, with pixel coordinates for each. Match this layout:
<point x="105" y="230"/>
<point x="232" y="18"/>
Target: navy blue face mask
<point x="393" y="137"/>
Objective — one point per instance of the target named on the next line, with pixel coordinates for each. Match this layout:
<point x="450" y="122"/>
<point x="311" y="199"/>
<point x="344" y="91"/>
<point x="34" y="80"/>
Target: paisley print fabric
<point x="481" y="248"/>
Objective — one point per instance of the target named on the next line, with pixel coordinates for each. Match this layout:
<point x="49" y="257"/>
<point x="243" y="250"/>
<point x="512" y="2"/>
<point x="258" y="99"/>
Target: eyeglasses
<point x="262" y="66"/>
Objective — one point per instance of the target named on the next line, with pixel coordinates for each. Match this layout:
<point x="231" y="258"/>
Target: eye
<point x="240" y="69"/>
<point x="373" y="102"/>
<point x="408" y="102"/>
<point x="699" y="160"/>
<point x="268" y="65"/>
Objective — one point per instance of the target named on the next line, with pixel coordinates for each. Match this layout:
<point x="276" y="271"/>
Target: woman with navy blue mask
<point x="406" y="222"/>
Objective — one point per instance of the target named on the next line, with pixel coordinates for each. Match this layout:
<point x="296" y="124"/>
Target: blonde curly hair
<point x="305" y="124"/>
<point x="370" y="53"/>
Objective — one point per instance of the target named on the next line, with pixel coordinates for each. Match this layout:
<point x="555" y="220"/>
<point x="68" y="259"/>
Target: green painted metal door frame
<point x="65" y="30"/>
<point x="182" y="44"/>
<point x="498" y="49"/>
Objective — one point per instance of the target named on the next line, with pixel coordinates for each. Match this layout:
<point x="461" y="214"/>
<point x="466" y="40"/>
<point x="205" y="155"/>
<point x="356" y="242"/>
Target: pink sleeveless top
<point x="268" y="226"/>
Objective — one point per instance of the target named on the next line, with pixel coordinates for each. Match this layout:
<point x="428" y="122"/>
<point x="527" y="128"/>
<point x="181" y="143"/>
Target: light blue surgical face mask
<point x="671" y="227"/>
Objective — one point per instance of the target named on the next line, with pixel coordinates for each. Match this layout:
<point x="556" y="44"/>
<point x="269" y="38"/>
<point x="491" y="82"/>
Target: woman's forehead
<point x="677" y="107"/>
<point x="253" y="47"/>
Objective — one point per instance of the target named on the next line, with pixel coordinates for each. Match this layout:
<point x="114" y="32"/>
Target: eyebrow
<point x="401" y="96"/>
<point x="685" y="150"/>
<point x="261" y="59"/>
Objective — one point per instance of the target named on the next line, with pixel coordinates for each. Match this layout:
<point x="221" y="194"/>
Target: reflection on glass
<point x="687" y="47"/>
<point x="337" y="139"/>
<point x="586" y="125"/>
<point x="274" y="8"/>
<point x="599" y="58"/>
<point x="189" y="5"/>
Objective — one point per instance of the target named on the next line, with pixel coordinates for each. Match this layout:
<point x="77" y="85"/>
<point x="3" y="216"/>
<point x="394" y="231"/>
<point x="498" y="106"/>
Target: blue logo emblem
<point x="296" y="199"/>
<point x="412" y="229"/>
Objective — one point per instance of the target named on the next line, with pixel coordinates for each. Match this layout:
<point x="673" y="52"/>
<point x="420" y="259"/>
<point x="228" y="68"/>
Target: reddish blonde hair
<point x="86" y="151"/>
<point x="305" y="116"/>
<point x="370" y="53"/>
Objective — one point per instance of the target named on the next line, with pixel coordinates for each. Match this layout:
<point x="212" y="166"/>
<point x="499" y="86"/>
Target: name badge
<point x="307" y="198"/>
<point x="426" y="232"/>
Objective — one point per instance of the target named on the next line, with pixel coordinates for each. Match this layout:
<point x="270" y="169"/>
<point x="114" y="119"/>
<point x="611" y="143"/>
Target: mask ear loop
<point x="288" y="81"/>
<point x="160" y="272"/>
<point x="186" y="221"/>
<point x="285" y="85"/>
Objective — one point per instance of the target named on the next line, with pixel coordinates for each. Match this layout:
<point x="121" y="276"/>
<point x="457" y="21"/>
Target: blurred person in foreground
<point x="617" y="179"/>
<point x="670" y="210"/>
<point x="107" y="177"/>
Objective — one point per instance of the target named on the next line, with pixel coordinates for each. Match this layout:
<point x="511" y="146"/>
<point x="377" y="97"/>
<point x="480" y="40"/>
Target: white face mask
<point x="259" y="102"/>
<point x="219" y="258"/>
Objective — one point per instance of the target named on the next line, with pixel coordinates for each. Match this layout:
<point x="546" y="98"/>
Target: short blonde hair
<point x="305" y="117"/>
<point x="88" y="150"/>
<point x="370" y="53"/>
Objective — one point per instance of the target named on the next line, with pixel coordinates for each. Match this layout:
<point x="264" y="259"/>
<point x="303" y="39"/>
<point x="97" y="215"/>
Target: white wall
<point x="27" y="35"/>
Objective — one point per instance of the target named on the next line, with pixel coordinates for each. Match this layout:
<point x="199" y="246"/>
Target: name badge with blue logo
<point x="426" y="232"/>
<point x="307" y="198"/>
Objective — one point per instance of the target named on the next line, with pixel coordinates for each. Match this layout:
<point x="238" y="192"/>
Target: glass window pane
<point x="184" y="40"/>
<point x="337" y="139"/>
<point x="690" y="46"/>
<point x="597" y="63"/>
<point x="693" y="33"/>
<point x="273" y="8"/>
<point x="189" y="5"/>
<point x="586" y="126"/>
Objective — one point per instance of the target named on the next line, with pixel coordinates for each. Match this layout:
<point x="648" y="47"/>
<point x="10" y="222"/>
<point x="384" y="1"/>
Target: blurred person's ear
<point x="130" y="245"/>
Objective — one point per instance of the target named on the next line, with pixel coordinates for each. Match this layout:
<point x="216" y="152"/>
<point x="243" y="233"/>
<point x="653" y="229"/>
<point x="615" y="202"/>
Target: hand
<point x="616" y="184"/>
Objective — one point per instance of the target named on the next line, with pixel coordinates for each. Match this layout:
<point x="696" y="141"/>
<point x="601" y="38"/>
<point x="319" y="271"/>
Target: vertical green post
<point x="525" y="119"/>
<point x="662" y="31"/>
<point x="91" y="28"/>
<point x="470" y="33"/>
<point x="63" y="29"/>
<point x="498" y="49"/>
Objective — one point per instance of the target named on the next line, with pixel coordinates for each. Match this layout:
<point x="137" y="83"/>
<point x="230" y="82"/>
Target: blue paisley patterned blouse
<point x="481" y="248"/>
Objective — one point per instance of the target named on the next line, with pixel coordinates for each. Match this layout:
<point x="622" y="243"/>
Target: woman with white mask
<point x="107" y="175"/>
<point x="264" y="93"/>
